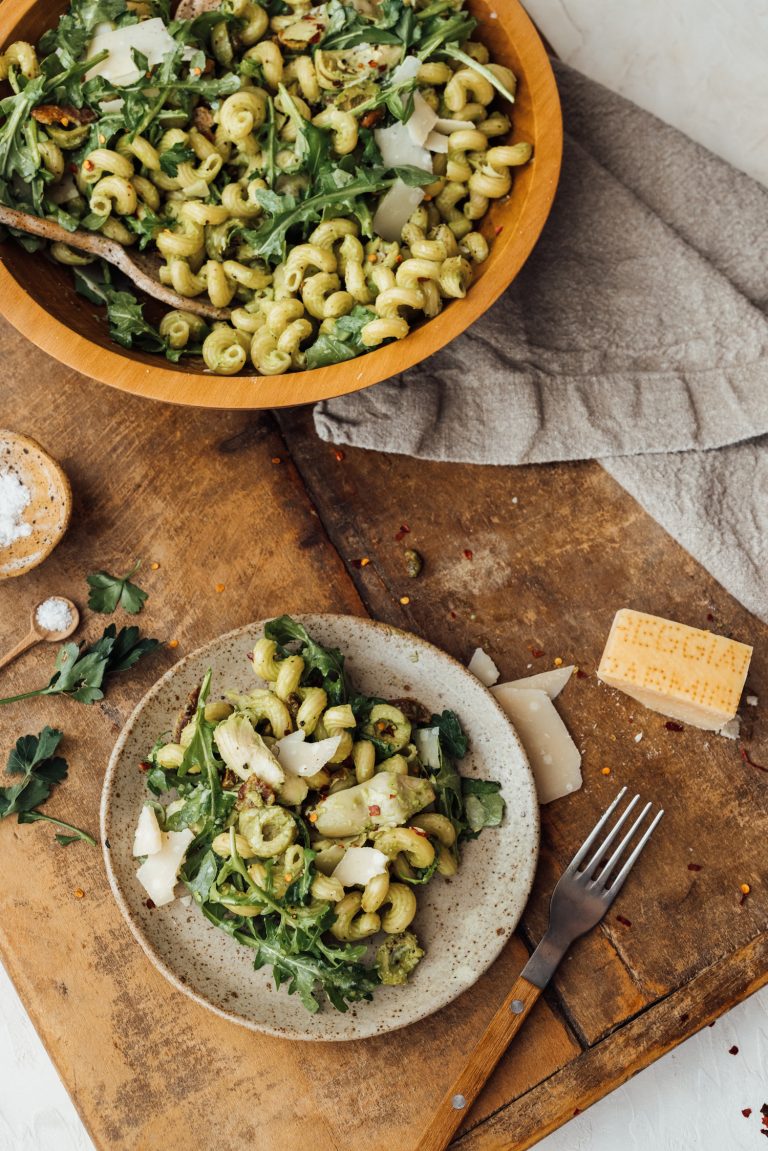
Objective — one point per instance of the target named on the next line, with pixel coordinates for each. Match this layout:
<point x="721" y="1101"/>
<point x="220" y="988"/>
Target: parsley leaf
<point x="34" y="759"/>
<point x="344" y="342"/>
<point x="108" y="591"/>
<point x="80" y="672"/>
<point x="172" y="157"/>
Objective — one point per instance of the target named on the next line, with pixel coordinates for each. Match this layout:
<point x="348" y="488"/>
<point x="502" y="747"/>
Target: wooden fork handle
<point x="29" y="641"/>
<point x="465" y="1089"/>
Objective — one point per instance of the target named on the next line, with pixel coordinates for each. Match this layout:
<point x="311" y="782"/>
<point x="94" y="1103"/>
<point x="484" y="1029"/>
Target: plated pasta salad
<point x="304" y="819"/>
<point x="319" y="173"/>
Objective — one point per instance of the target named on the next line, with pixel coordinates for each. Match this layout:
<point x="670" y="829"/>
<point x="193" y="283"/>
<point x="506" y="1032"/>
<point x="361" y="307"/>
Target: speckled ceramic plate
<point x="462" y="923"/>
<point x="46" y="516"/>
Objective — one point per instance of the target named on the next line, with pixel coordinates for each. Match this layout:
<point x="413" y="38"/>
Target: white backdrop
<point x="701" y="65"/>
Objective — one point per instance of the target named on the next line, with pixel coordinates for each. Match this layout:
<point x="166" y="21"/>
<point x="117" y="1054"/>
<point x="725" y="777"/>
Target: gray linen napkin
<point x="636" y="334"/>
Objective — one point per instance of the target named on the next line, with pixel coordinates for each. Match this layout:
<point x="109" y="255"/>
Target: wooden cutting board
<point x="530" y="563"/>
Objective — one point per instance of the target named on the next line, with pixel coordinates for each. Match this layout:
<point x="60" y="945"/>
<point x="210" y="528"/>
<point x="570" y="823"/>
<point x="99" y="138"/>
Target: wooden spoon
<point x="38" y="634"/>
<point x="141" y="268"/>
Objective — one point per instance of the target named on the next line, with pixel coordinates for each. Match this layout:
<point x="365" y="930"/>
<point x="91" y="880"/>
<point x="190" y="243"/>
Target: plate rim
<point x="287" y="1032"/>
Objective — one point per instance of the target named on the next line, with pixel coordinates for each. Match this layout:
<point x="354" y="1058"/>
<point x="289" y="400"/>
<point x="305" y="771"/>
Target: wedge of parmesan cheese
<point x="680" y="671"/>
<point x="483" y="667"/>
<point x="150" y="37"/>
<point x="552" y="682"/>
<point x="148" y="839"/>
<point x="421" y="121"/>
<point x="554" y="758"/>
<point x="157" y="875"/>
<point x="359" y="865"/>
<point x="297" y="756"/>
<point x="399" y="150"/>
<point x="395" y="210"/>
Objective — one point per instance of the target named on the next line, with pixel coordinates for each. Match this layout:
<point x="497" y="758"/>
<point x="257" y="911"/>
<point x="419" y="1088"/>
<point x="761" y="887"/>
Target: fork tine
<point x="602" y="878"/>
<point x="594" y="834"/>
<point x="613" y="890"/>
<point x="600" y="854"/>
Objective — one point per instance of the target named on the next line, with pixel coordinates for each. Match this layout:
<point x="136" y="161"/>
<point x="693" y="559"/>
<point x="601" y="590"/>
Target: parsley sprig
<point x="108" y="592"/>
<point x="37" y="768"/>
<point x="80" y="673"/>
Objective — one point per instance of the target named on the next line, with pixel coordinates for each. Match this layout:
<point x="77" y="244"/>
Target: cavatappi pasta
<point x="321" y="170"/>
<point x="309" y="817"/>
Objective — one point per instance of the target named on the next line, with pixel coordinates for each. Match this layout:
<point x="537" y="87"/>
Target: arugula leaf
<point x="80" y="672"/>
<point x="329" y="662"/>
<point x="201" y="885"/>
<point x="452" y="737"/>
<point x="344" y="342"/>
<point x="125" y="315"/>
<point x="108" y="591"/>
<point x="455" y="53"/>
<point x="34" y="759"/>
<point x="172" y="157"/>
<point x="483" y="804"/>
<point x="199" y="753"/>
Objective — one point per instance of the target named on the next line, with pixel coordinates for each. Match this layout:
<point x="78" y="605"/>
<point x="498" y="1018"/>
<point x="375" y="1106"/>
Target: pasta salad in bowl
<point x="322" y="178"/>
<point x="308" y="841"/>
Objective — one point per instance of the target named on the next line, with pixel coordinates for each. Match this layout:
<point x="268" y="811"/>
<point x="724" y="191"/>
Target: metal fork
<point x="579" y="901"/>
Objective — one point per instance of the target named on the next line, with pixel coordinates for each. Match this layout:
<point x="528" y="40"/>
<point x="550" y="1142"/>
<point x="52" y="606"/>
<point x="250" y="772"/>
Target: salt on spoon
<point x="53" y="619"/>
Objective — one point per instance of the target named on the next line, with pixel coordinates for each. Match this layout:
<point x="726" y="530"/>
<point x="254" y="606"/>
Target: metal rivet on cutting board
<point x="517" y="1007"/>
<point x="458" y="1102"/>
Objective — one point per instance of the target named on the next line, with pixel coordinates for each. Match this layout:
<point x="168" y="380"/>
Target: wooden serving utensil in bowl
<point x="47" y="308"/>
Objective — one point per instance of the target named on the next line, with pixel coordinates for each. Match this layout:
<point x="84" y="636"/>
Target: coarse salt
<point x="14" y="499"/>
<point x="54" y="614"/>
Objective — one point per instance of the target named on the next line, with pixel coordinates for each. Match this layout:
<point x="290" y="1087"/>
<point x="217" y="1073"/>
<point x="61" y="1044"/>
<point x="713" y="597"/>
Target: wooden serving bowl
<point x="39" y="298"/>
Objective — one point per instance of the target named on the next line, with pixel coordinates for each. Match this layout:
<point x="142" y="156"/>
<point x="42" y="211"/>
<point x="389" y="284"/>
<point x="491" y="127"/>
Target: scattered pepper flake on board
<point x="173" y="643"/>
<point x="364" y="562"/>
<point x="404" y="531"/>
<point x="339" y="455"/>
<point x="580" y="674"/>
<point x="154" y="566"/>
<point x="557" y="661"/>
<point x="605" y="771"/>
<point x="468" y="554"/>
<point x="695" y="866"/>
<point x="536" y="652"/>
<point x="623" y="920"/>
<point x="745" y="889"/>
<point x="79" y="893"/>
<point x="219" y="587"/>
<point x="276" y="460"/>
<point x="405" y="600"/>
<point x="733" y="1050"/>
<point x="672" y="725"/>
<point x="747" y="759"/>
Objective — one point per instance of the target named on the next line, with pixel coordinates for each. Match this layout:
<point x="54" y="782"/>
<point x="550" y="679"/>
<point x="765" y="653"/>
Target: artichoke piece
<point x="397" y="957"/>
<point x="389" y="725"/>
<point x="385" y="800"/>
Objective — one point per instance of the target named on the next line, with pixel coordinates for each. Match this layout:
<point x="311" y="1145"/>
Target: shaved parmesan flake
<point x="421" y="121"/>
<point x="449" y="126"/>
<point x="398" y="149"/>
<point x="157" y="875"/>
<point x="554" y="758"/>
<point x="150" y="37"/>
<point x="483" y="667"/>
<point x="395" y="210"/>
<point x="552" y="682"/>
<point x="299" y="757"/>
<point x="407" y="69"/>
<point x="360" y="864"/>
<point x="436" y="142"/>
<point x="148" y="839"/>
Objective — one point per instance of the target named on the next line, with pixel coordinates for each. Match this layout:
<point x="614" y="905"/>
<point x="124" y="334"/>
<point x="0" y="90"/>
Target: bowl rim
<point x="526" y="878"/>
<point x="253" y="392"/>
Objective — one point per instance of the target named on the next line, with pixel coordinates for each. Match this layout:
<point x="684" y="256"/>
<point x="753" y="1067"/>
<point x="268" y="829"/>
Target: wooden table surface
<point x="283" y="521"/>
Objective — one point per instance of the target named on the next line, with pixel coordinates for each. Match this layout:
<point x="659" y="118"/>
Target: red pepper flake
<point x="150" y="904"/>
<point x="339" y="455"/>
<point x="452" y="614"/>
<point x="733" y="1050"/>
<point x="499" y="230"/>
<point x="89" y="165"/>
<point x="577" y="1110"/>
<point x="404" y="531"/>
<point x="710" y="617"/>
<point x="580" y="674"/>
<point x="144" y="766"/>
<point x="670" y="725"/>
<point x="746" y="1112"/>
<point x="746" y="757"/>
<point x="374" y="809"/>
<point x="695" y="866"/>
<point x="276" y="460"/>
<point x="684" y="1017"/>
<point x="536" y="652"/>
<point x="420" y="831"/>
<point x="623" y="920"/>
<point x="468" y="555"/>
